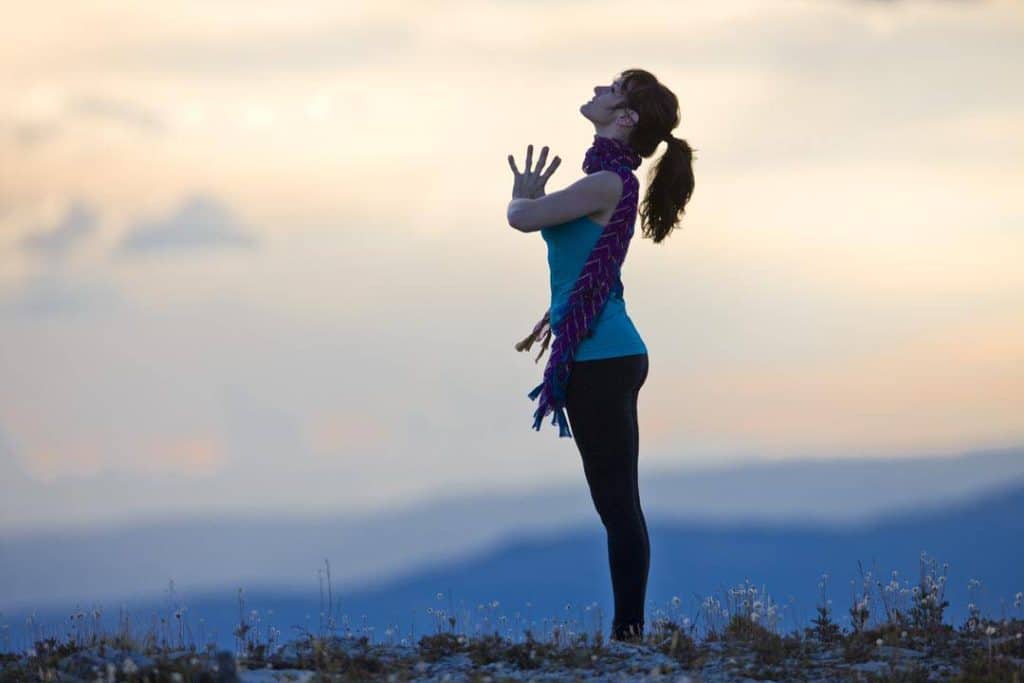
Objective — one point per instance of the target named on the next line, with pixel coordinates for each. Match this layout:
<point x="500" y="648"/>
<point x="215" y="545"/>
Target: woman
<point x="598" y="361"/>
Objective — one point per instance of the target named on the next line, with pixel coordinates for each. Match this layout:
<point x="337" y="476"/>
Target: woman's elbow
<point x="515" y="220"/>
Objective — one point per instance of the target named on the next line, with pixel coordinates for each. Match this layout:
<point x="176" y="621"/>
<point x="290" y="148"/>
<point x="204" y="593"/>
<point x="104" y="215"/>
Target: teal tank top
<point x="612" y="334"/>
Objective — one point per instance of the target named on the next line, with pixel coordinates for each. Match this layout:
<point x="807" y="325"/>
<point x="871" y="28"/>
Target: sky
<point x="264" y="245"/>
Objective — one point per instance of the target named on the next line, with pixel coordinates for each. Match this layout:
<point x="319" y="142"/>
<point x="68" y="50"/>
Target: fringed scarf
<point x="592" y="287"/>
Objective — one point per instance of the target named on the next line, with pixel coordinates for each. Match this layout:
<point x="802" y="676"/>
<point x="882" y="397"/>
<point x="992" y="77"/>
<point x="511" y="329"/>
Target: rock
<point x="227" y="671"/>
<point x="83" y="664"/>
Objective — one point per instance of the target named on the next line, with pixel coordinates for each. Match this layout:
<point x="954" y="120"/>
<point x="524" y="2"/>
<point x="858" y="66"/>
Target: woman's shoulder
<point x="610" y="181"/>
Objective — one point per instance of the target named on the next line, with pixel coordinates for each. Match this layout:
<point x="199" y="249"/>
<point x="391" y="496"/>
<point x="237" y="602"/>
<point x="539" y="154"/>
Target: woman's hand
<point x="530" y="184"/>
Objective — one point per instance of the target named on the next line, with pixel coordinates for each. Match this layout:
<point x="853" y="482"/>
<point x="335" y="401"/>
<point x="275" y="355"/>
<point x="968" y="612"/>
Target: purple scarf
<point x="592" y="287"/>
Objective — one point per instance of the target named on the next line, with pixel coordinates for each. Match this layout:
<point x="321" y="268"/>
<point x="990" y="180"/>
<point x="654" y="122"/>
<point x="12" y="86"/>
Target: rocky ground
<point x="446" y="657"/>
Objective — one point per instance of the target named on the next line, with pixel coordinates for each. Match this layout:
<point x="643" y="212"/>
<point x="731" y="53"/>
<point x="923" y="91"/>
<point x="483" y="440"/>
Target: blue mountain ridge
<point x="561" y="573"/>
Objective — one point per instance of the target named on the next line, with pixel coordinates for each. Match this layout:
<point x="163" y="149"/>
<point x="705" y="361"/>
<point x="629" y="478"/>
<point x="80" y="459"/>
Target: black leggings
<point x="601" y="405"/>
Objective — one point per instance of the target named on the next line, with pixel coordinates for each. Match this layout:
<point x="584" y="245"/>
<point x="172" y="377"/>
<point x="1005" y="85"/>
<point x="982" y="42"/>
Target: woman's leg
<point x="636" y="450"/>
<point x="635" y="477"/>
<point x="601" y="405"/>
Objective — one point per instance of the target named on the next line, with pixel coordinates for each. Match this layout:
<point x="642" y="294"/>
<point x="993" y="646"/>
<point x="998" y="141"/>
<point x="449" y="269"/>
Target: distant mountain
<point x="980" y="539"/>
<point x="137" y="560"/>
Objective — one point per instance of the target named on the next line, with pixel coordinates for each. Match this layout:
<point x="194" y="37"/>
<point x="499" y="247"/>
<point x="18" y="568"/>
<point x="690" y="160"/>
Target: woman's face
<point x="607" y="104"/>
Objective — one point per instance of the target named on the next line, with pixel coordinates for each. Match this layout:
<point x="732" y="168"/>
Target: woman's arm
<point x="589" y="194"/>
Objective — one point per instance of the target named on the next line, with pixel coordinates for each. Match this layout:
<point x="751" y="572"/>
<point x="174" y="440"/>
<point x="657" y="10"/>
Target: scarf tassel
<point x="557" y="417"/>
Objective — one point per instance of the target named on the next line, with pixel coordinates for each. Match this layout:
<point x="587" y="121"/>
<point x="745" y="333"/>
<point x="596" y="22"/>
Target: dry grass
<point x="898" y="624"/>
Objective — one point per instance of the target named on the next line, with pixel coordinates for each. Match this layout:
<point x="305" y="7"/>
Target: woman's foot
<point x="628" y="633"/>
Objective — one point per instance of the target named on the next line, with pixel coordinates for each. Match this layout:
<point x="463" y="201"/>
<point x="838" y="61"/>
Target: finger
<point x="529" y="158"/>
<point x="551" y="169"/>
<point x="512" y="163"/>
<point x="542" y="158"/>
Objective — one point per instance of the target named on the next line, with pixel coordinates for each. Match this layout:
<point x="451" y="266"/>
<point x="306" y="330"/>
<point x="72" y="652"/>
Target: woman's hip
<point x="605" y="377"/>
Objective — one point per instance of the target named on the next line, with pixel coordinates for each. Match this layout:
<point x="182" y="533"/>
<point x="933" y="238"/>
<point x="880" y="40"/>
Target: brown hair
<point x="670" y="184"/>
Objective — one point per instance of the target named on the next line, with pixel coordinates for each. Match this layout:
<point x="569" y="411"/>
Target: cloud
<point x="77" y="223"/>
<point x="894" y="2"/>
<point x="29" y="134"/>
<point x="325" y="46"/>
<point x="200" y="222"/>
<point x="193" y="455"/>
<point x="259" y="430"/>
<point x="33" y="133"/>
<point x="9" y="466"/>
<point x="56" y="289"/>
<point x="55" y="293"/>
<point x="116" y="110"/>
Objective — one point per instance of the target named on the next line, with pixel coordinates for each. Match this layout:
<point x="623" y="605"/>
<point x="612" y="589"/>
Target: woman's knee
<point x="612" y="488"/>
